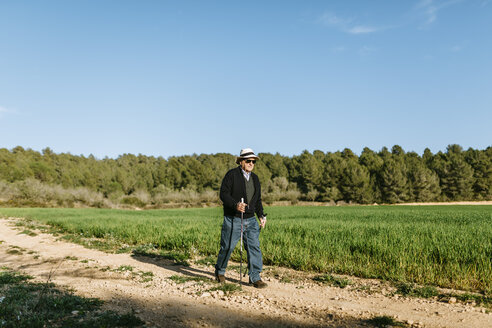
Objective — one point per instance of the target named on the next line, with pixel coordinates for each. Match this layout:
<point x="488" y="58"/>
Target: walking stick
<point x="241" y="263"/>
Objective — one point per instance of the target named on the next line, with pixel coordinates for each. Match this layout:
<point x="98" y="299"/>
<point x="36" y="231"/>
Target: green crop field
<point x="447" y="246"/>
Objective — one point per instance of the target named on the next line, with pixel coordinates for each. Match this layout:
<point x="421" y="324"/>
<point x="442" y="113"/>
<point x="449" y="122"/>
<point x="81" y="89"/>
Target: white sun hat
<point x="246" y="153"/>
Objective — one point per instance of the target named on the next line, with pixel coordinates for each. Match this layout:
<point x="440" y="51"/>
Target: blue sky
<point x="168" y="78"/>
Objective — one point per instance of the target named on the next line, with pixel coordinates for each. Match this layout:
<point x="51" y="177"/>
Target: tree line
<point x="386" y="176"/>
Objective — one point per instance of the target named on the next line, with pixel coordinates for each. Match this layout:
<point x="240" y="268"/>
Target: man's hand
<point x="241" y="207"/>
<point x="263" y="222"/>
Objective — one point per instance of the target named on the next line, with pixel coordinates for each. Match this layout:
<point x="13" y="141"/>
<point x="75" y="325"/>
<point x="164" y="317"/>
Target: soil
<point x="292" y="299"/>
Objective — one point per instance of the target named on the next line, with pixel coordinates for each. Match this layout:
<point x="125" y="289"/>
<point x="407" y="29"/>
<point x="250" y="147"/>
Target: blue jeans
<point x="231" y="233"/>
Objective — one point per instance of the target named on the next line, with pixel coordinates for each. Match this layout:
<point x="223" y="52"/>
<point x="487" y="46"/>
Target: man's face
<point x="248" y="164"/>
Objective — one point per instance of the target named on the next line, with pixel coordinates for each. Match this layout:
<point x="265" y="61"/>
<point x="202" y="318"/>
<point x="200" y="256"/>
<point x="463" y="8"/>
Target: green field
<point x="447" y="246"/>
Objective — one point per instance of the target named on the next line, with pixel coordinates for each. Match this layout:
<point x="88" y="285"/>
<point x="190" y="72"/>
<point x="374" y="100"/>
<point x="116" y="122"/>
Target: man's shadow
<point x="182" y="267"/>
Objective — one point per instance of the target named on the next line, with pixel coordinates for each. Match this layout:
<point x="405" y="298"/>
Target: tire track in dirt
<point x="163" y="303"/>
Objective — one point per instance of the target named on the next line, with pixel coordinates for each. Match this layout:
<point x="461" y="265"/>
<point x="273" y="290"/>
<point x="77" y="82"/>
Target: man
<point x="242" y="183"/>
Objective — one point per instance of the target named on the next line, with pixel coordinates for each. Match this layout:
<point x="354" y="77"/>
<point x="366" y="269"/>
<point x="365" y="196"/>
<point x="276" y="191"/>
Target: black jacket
<point x="233" y="188"/>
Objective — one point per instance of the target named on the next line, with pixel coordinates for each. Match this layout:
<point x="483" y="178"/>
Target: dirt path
<point x="163" y="303"/>
<point x="483" y="202"/>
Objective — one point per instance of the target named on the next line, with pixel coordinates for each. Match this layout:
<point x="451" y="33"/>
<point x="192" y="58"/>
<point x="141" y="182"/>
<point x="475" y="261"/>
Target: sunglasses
<point x="251" y="161"/>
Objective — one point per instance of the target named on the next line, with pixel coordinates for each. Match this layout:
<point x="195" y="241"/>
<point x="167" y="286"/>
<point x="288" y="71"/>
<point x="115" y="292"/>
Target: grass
<point x="409" y="289"/>
<point x="182" y="279"/>
<point x="208" y="260"/>
<point x="71" y="258"/>
<point x="29" y="232"/>
<point x="286" y="279"/>
<point x="7" y="278"/>
<point x="27" y="304"/>
<point x="480" y="300"/>
<point x="104" y="244"/>
<point x="281" y="274"/>
<point x="445" y="246"/>
<point x="14" y="252"/>
<point x="385" y="321"/>
<point x="227" y="288"/>
<point x="124" y="268"/>
<point x="143" y="276"/>
<point x="178" y="257"/>
<point x="332" y="280"/>
<point x="146" y="276"/>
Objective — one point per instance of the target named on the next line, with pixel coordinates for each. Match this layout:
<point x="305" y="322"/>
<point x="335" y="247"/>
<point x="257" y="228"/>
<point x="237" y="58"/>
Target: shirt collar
<point x="246" y="174"/>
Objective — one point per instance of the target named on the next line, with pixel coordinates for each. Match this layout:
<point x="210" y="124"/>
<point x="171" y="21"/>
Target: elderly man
<point x="241" y="183"/>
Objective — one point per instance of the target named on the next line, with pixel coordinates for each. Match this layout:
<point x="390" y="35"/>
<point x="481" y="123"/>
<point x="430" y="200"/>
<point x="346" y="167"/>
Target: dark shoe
<point x="219" y="277"/>
<point x="259" y="284"/>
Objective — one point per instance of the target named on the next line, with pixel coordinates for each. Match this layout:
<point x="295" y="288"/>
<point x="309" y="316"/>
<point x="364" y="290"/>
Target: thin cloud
<point x="4" y="110"/>
<point x="362" y="30"/>
<point x="347" y="25"/>
<point x="429" y="9"/>
<point x="332" y="19"/>
<point x="456" y="48"/>
<point x="366" y="51"/>
<point x="338" y="49"/>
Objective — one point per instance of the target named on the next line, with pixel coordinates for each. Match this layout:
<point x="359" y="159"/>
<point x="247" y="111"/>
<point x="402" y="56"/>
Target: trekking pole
<point x="241" y="263"/>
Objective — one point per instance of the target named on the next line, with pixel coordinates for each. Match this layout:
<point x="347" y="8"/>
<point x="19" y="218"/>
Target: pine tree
<point x="424" y="184"/>
<point x="394" y="181"/>
<point x="482" y="173"/>
<point x="310" y="172"/>
<point x="456" y="175"/>
<point x="355" y="183"/>
<point x="374" y="164"/>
